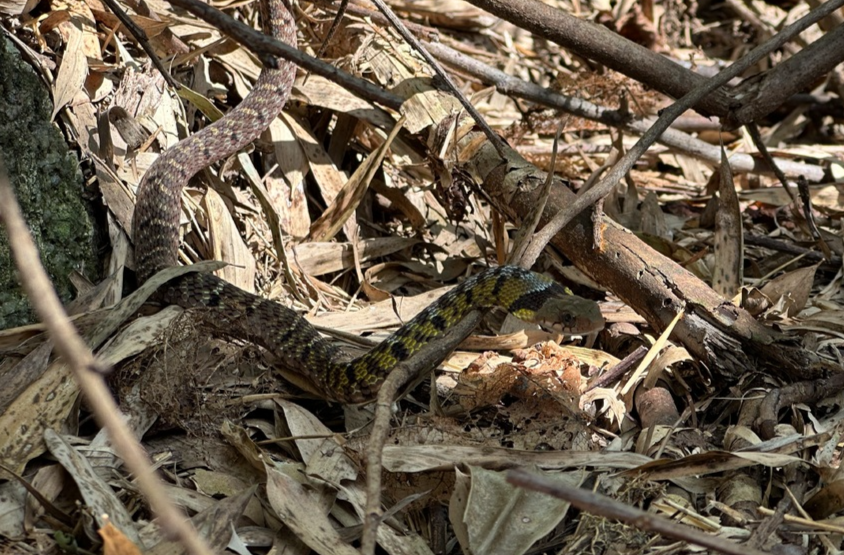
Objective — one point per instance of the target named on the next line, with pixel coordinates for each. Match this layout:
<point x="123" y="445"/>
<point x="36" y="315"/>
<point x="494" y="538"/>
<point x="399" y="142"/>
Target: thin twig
<point x="265" y="47"/>
<point x="524" y="254"/>
<point x="601" y="505"/>
<point x="605" y="186"/>
<point x="672" y="138"/>
<point x="141" y="36"/>
<point x="88" y="371"/>
<point x="428" y="33"/>
<point x="493" y="137"/>
<point x="426" y="358"/>
<point x="756" y="137"/>
<point x="338" y="17"/>
<point x="613" y="374"/>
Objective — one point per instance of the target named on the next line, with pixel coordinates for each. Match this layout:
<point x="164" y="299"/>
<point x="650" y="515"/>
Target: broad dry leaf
<point x="72" y="71"/>
<point x="285" y="187"/>
<point x="608" y="404"/>
<point x="385" y="314"/>
<point x="17" y="7"/>
<point x="320" y="258"/>
<point x="396" y="68"/>
<point x="214" y="524"/>
<point x="323" y="456"/>
<point x="43" y="405"/>
<point x="328" y="177"/>
<point x="301" y="509"/>
<point x="140" y="334"/>
<point x="98" y="495"/>
<point x="500" y="518"/>
<point x="227" y="244"/>
<point x="240" y="440"/>
<point x="790" y="291"/>
<point x="221" y="484"/>
<point x="653" y="218"/>
<point x="12" y="507"/>
<point x="452" y="14"/>
<point x="319" y="92"/>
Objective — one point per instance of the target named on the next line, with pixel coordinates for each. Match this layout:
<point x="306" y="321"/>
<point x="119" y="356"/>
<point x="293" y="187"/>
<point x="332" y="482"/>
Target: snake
<point x="232" y="312"/>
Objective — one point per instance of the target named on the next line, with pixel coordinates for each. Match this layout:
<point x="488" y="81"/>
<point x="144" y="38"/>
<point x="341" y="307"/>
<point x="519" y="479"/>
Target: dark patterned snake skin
<point x="232" y="312"/>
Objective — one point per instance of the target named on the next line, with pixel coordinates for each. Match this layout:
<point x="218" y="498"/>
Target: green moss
<point x="47" y="183"/>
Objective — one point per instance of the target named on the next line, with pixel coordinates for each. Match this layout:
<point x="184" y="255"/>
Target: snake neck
<point x="155" y="224"/>
<point x="521" y="292"/>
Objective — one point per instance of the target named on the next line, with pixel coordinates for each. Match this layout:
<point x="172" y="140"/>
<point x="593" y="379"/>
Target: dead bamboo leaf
<point x="328" y="177"/>
<point x="72" y="71"/>
<point x="214" y="524"/>
<point x="349" y="197"/>
<point x="305" y="512"/>
<point x="44" y="404"/>
<point x="317" y="259"/>
<point x="729" y="235"/>
<point x="98" y="495"/>
<point x="227" y="244"/>
<point x="790" y="291"/>
<point x="17" y="7"/>
<point x="285" y="187"/>
<point x="424" y="458"/>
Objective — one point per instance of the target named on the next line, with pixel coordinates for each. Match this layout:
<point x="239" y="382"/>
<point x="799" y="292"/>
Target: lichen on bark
<point x="48" y="186"/>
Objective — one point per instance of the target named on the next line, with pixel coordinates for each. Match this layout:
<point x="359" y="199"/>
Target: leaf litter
<point x="219" y="421"/>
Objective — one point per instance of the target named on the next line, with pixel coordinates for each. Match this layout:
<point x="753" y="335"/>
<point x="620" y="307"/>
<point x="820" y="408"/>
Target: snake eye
<point x="568" y="321"/>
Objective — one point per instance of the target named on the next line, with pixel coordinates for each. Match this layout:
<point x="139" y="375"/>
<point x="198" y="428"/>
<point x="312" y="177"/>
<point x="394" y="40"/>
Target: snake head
<point x="575" y="315"/>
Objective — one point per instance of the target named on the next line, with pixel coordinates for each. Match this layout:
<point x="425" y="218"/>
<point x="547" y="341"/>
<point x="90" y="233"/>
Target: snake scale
<point x="232" y="312"/>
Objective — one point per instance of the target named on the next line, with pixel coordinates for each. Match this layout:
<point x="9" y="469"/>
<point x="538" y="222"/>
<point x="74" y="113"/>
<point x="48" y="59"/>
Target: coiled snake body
<point x="233" y="312"/>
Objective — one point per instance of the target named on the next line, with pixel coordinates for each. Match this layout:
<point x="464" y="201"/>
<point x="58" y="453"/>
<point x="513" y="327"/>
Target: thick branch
<point x="672" y="138"/>
<point x="725" y="338"/>
<point x="598" y="43"/>
<point x="761" y="95"/>
<point x="614" y="51"/>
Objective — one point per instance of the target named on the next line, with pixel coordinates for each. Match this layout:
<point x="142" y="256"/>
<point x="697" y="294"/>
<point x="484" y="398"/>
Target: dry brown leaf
<point x="286" y="186"/>
<point x="729" y="235"/>
<point x="227" y="244"/>
<point x="305" y="511"/>
<point x="329" y="178"/>
<point x="100" y="499"/>
<point x="424" y="458"/>
<point x="348" y="198"/>
<point x="17" y="7"/>
<point x="43" y="405"/>
<point x="115" y="543"/>
<point x="318" y="259"/>
<point x="72" y="71"/>
<point x="790" y="291"/>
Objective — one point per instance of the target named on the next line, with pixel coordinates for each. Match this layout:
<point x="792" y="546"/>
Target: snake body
<point x="232" y="312"/>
